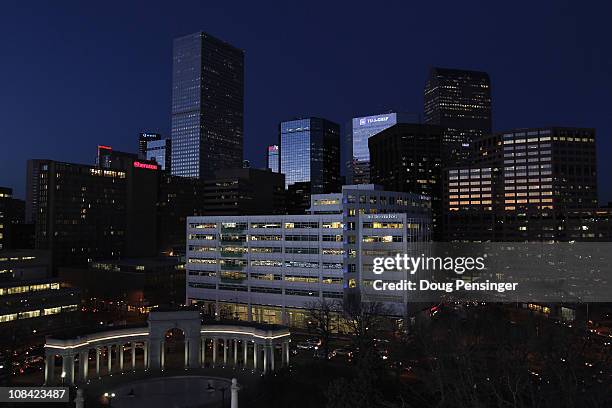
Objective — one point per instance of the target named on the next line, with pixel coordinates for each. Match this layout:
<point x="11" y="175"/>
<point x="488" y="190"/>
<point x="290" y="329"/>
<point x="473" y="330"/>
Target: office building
<point x="207" y="105"/>
<point x="460" y="102"/>
<point x="143" y="139"/>
<point x="32" y="176"/>
<point x="12" y="213"/>
<point x="272" y="158"/>
<point x="298" y="197"/>
<point x="109" y="158"/>
<point x="310" y="152"/>
<point x="240" y="191"/>
<point x="408" y="158"/>
<point x="88" y="212"/>
<point x="244" y="191"/>
<point x="524" y="186"/>
<point x="178" y="198"/>
<point x="160" y="151"/>
<point x="32" y="303"/>
<point x="358" y="131"/>
<point x="270" y="268"/>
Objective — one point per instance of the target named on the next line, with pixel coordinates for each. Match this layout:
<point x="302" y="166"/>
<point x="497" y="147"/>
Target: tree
<point x="365" y="320"/>
<point x="324" y="316"/>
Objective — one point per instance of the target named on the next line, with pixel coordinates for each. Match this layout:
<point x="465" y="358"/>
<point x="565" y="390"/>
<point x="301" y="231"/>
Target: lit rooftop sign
<point x="148" y="166"/>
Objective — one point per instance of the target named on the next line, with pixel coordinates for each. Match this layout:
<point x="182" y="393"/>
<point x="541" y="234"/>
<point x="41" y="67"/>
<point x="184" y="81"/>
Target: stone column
<point x="97" y="361"/>
<point x="225" y="343"/>
<point x="145" y="358"/>
<point x="203" y="352"/>
<point x="235" y="352"/>
<point x="272" y="356"/>
<point x="245" y="350"/>
<point x="84" y="363"/>
<point x="120" y="351"/>
<point x="287" y="352"/>
<point x="214" y="343"/>
<point x="193" y="351"/>
<point x="109" y="355"/>
<point x="283" y="363"/>
<point x="254" y="356"/>
<point x="68" y="368"/>
<point x="154" y="351"/>
<point x="265" y="359"/>
<point x="133" y="356"/>
<point x="79" y="400"/>
<point x="186" y="354"/>
<point x="162" y="359"/>
<point x="49" y="367"/>
<point x="234" y="393"/>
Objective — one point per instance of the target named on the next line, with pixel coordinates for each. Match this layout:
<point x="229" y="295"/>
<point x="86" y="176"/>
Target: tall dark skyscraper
<point x="207" y="106"/>
<point x="408" y="158"/>
<point x="143" y="139"/>
<point x="310" y="152"/>
<point x="459" y="101"/>
<point x="272" y="158"/>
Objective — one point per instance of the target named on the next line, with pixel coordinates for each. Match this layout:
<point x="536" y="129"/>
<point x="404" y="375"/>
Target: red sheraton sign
<point x="147" y="166"/>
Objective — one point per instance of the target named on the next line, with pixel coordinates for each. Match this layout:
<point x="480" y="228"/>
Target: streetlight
<point x="63" y="377"/>
<point x="109" y="397"/>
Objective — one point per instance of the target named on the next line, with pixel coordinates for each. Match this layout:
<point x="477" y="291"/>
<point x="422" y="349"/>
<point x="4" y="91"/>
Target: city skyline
<point x="518" y="103"/>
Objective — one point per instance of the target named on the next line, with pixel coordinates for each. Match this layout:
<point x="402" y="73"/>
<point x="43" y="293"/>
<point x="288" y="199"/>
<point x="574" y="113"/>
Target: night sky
<point x="75" y="75"/>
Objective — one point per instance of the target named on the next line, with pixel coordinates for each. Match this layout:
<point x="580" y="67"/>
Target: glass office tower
<point x="207" y="106"/>
<point x="272" y="159"/>
<point x="160" y="151"/>
<point x="310" y="152"/>
<point x="359" y="130"/>
<point x="143" y="139"/>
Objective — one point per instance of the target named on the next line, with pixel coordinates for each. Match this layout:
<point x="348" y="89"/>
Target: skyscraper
<point x="408" y="158"/>
<point x="272" y="159"/>
<point x="143" y="139"/>
<point x="160" y="151"/>
<point x="359" y="130"/>
<point x="310" y="152"/>
<point x="523" y="187"/>
<point x="207" y="105"/>
<point x="459" y="101"/>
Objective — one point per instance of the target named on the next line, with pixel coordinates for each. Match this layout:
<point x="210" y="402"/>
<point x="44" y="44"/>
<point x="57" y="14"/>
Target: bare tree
<point x="324" y="317"/>
<point x="365" y="320"/>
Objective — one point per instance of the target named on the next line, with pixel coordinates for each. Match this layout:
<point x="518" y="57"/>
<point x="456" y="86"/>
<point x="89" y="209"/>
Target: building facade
<point x="460" y="102"/>
<point x="409" y="158"/>
<point x="310" y="152"/>
<point x="87" y="212"/>
<point x="272" y="268"/>
<point x="273" y="158"/>
<point x="143" y="139"/>
<point x="524" y="185"/>
<point x="207" y="105"/>
<point x="32" y="303"/>
<point x="358" y="131"/>
<point x="12" y="213"/>
<point x="160" y="151"/>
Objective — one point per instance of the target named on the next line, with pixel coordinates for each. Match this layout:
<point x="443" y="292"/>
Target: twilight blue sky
<point x="75" y="74"/>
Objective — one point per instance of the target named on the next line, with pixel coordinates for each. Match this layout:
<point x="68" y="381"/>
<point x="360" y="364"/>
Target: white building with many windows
<point x="269" y="268"/>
